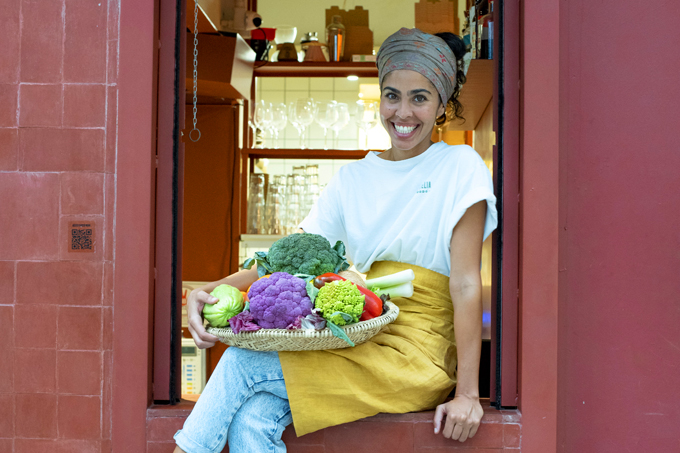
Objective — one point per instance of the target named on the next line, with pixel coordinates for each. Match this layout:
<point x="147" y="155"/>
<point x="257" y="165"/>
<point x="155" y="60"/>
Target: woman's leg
<point x="259" y="424"/>
<point x="240" y="374"/>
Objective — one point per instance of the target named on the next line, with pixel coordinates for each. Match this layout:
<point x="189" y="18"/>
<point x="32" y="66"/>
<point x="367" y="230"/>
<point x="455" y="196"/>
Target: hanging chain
<point x="198" y="134"/>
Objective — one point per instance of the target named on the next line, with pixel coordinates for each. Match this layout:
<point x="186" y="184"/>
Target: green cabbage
<point x="230" y="304"/>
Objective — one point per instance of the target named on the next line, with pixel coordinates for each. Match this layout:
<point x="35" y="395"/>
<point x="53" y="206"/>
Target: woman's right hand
<point x="195" y="302"/>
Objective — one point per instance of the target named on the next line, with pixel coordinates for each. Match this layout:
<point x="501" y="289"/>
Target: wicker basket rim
<point x="389" y="316"/>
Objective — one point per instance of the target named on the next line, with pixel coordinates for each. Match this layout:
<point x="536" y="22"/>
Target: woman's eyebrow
<point x="420" y="90"/>
<point x="412" y="92"/>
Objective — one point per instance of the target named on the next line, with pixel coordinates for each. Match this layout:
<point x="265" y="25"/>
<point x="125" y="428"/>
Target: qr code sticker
<point x="81" y="237"/>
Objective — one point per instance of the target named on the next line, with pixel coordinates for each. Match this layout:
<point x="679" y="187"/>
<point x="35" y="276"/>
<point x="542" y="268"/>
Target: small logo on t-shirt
<point x="425" y="187"/>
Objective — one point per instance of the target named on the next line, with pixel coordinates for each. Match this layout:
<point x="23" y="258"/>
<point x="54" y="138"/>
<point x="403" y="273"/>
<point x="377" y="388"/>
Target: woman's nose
<point x="403" y="109"/>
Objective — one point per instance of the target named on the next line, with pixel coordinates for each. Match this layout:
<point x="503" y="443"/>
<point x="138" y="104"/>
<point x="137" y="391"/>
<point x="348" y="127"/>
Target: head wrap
<point x="426" y="54"/>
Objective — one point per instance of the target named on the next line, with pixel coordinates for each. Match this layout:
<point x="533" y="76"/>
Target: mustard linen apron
<point x="410" y="366"/>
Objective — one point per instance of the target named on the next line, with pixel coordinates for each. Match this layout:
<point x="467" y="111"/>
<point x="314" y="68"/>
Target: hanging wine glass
<point x="302" y="113"/>
<point x="366" y="117"/>
<point x="254" y="129"/>
<point x="325" y="115"/>
<point x="342" y="111"/>
<point x="293" y="119"/>
<point x="268" y="120"/>
<point x="279" y="120"/>
<point x="261" y="118"/>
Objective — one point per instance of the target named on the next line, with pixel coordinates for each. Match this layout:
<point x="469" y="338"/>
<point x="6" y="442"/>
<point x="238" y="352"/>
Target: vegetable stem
<point x="403" y="290"/>
<point x="392" y="280"/>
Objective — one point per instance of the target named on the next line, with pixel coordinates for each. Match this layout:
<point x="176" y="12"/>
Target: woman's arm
<point x="464" y="412"/>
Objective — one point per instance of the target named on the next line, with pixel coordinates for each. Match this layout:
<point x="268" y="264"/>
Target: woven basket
<point x="305" y="340"/>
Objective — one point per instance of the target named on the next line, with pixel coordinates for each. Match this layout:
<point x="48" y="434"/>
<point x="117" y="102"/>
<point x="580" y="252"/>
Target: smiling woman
<point x="421" y="206"/>
<point x="420" y="78"/>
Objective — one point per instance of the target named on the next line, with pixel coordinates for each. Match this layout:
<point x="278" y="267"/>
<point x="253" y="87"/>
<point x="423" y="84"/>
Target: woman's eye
<point x="420" y="98"/>
<point x="391" y="96"/>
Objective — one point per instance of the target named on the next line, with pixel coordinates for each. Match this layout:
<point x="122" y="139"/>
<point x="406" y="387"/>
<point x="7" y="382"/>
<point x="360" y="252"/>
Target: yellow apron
<point x="410" y="366"/>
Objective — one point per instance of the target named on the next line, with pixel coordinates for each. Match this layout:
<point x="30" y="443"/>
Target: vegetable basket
<point x="306" y="340"/>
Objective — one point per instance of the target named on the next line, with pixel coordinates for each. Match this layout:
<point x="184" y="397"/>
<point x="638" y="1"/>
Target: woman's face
<point x="409" y="106"/>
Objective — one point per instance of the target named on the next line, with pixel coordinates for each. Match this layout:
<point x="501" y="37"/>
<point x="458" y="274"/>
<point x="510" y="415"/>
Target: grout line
<point x="15" y="282"/>
<point x="21" y="27"/>
<point x="63" y="39"/>
<point x="107" y="133"/>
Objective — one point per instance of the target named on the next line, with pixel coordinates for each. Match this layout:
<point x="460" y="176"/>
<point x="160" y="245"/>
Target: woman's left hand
<point x="463" y="415"/>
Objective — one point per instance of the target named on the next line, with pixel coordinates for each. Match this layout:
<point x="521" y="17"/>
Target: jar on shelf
<point x="335" y="39"/>
<point x="274" y="209"/>
<point x="256" y="204"/>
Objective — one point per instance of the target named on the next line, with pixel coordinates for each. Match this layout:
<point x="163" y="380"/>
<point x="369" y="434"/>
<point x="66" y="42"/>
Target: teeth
<point x="404" y="129"/>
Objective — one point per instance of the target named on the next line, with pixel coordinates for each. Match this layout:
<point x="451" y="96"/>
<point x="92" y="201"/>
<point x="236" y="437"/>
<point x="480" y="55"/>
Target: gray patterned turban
<point x="426" y="54"/>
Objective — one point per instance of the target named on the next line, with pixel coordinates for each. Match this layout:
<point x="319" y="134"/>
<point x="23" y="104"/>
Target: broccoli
<point x="301" y="253"/>
<point x="277" y="301"/>
<point x="339" y="298"/>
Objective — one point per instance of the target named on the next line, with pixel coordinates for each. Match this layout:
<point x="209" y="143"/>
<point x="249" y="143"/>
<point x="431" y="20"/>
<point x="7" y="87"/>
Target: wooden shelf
<point x="267" y="153"/>
<point x="315" y="69"/>
<point x="475" y="95"/>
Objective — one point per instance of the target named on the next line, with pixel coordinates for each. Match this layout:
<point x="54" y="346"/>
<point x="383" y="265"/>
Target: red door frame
<point x="504" y="317"/>
<point x="135" y="198"/>
<point x="169" y="203"/>
<point x="134" y="225"/>
<point x="539" y="221"/>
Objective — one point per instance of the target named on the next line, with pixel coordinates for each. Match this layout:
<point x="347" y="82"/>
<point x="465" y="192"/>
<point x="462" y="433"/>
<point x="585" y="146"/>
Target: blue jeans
<point x="244" y="403"/>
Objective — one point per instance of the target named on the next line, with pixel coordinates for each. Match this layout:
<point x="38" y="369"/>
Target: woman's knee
<point x="259" y="424"/>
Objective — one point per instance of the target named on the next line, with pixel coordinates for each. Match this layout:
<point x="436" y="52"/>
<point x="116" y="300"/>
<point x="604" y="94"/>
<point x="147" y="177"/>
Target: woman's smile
<point x="404" y="131"/>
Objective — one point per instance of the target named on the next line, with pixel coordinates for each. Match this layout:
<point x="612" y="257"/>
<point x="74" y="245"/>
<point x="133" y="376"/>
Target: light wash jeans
<point x="244" y="403"/>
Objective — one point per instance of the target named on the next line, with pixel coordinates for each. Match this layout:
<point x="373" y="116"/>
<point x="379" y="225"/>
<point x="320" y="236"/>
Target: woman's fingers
<point x="461" y="421"/>
<point x="474" y="429"/>
<point x="195" y="304"/>
<point x="465" y="432"/>
<point x="458" y="430"/>
<point x="438" y="415"/>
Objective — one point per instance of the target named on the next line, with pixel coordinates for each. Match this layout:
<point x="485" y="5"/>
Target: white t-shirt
<point x="405" y="210"/>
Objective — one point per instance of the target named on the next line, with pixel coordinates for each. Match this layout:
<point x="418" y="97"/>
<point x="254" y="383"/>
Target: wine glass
<point x="279" y="120"/>
<point x="301" y="115"/>
<point x="366" y="117"/>
<point x="342" y="120"/>
<point x="262" y="117"/>
<point x="325" y="115"/>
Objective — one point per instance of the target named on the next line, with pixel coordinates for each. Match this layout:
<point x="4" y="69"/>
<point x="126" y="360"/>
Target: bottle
<point x="483" y="31"/>
<point x="466" y="31"/>
<point x="491" y="5"/>
<point x="335" y="39"/>
<point x="473" y="31"/>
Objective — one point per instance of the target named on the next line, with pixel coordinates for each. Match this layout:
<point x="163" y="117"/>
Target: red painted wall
<point x="58" y="114"/>
<point x="619" y="290"/>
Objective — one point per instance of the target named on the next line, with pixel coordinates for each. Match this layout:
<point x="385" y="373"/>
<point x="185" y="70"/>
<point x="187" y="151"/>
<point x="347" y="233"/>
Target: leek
<point x="403" y="290"/>
<point x="392" y="280"/>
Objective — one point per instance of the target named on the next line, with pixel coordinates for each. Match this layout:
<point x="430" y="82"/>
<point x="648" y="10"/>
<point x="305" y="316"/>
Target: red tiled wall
<point x="58" y="106"/>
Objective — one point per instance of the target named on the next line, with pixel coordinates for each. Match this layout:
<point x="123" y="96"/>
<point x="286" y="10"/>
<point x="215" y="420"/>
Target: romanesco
<point x="340" y="296"/>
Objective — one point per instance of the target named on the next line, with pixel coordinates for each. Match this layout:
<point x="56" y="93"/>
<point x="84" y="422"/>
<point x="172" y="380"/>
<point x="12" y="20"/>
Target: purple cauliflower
<point x="276" y="302"/>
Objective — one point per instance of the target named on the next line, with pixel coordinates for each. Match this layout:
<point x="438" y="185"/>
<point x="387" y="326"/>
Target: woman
<point x="417" y="205"/>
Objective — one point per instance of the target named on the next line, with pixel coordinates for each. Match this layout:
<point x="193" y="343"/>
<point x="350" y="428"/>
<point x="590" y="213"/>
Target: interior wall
<point x="384" y="16"/>
<point x="483" y="140"/>
<point x="619" y="288"/>
<point x="208" y="201"/>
